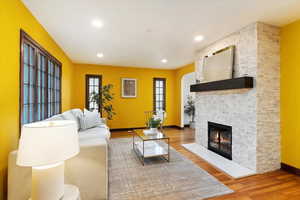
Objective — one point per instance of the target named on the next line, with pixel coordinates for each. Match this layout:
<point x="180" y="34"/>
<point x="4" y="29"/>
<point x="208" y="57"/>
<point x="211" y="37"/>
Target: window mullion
<point x="36" y="86"/>
<point x="46" y="88"/>
<point x="28" y="85"/>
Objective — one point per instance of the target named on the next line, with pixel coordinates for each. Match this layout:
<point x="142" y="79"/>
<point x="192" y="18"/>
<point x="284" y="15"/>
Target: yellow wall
<point x="290" y="94"/>
<point x="130" y="111"/>
<point x="178" y="76"/>
<point x="13" y="17"/>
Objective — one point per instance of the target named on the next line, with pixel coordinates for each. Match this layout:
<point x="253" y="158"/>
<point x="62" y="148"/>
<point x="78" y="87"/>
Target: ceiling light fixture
<point x="164" y="60"/>
<point x="97" y="23"/>
<point x="100" y="55"/>
<point x="199" y="38"/>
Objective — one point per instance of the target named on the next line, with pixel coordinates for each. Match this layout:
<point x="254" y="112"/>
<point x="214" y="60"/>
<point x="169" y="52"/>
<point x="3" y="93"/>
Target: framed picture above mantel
<point x="129" y="88"/>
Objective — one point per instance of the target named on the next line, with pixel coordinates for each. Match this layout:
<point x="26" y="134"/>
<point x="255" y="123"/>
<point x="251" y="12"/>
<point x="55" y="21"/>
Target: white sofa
<point x="88" y="170"/>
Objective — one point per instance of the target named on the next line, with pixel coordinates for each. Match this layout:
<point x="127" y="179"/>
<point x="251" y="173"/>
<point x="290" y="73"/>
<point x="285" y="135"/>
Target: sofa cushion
<point x="90" y="120"/>
<point x="73" y="115"/>
<point x="94" y="133"/>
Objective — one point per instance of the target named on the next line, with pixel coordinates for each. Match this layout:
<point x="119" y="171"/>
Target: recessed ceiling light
<point x="164" y="60"/>
<point x="199" y="38"/>
<point x="100" y="55"/>
<point x="97" y="23"/>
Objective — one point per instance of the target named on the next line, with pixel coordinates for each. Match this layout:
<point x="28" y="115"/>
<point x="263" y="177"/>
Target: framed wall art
<point x="129" y="88"/>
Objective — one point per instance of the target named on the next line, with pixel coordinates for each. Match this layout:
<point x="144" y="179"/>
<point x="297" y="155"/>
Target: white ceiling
<point x="143" y="32"/>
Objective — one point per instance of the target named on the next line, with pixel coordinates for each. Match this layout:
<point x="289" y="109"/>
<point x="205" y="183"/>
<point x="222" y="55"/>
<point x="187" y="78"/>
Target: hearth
<point x="220" y="139"/>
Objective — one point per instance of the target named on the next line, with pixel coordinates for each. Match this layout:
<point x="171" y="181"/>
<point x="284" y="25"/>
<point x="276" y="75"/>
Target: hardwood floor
<point x="277" y="185"/>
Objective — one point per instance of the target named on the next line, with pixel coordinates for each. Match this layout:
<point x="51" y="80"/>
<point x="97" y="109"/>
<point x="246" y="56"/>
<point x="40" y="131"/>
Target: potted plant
<point x="104" y="100"/>
<point x="154" y="123"/>
<point x="189" y="109"/>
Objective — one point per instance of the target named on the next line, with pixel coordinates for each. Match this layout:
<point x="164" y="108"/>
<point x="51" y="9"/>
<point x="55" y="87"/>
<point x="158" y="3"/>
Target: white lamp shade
<point x="47" y="142"/>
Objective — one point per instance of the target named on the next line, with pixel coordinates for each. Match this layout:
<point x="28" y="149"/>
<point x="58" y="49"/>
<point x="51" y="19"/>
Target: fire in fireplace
<point x="220" y="139"/>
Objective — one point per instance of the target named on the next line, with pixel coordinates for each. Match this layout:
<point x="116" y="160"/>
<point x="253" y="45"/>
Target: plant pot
<point x="192" y="125"/>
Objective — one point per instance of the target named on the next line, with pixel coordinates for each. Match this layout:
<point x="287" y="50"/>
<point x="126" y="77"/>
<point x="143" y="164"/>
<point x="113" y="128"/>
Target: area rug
<point x="157" y="179"/>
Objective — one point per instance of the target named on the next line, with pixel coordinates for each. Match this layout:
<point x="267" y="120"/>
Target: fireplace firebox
<point x="220" y="139"/>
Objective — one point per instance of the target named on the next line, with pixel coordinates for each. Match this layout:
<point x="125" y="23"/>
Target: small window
<point x="159" y="94"/>
<point x="93" y="96"/>
<point x="40" y="82"/>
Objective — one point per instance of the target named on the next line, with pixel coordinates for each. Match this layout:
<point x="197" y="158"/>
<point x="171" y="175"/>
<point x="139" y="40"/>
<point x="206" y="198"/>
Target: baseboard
<point x="186" y="126"/>
<point x="290" y="169"/>
<point x="125" y="129"/>
<point x="130" y="129"/>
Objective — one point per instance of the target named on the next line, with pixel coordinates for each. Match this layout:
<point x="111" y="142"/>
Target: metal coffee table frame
<point x="140" y="151"/>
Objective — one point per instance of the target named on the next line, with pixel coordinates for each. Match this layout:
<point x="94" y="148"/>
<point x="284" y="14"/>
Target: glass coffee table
<point x="147" y="146"/>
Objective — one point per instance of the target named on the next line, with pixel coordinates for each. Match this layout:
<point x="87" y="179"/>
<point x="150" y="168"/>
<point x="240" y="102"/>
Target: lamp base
<point x="71" y="192"/>
<point x="48" y="182"/>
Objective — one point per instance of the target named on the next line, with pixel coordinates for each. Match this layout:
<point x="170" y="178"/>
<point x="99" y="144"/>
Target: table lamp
<point x="45" y="146"/>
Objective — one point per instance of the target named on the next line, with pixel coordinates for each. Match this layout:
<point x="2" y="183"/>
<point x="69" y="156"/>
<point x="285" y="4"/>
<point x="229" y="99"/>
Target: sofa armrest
<point x="89" y="170"/>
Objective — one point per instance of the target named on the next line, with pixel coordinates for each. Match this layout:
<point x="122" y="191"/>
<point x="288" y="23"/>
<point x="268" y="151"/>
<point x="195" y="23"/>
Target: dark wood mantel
<point x="228" y="84"/>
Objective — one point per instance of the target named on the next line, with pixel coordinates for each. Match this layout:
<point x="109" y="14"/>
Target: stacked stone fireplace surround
<point x="254" y="114"/>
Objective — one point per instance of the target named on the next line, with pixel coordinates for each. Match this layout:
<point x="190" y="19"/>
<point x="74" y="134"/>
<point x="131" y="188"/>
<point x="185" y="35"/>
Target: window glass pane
<point x="31" y="94"/>
<point x="43" y="80"/>
<point x="39" y="61"/>
<point x="157" y="84"/>
<point x="96" y="90"/>
<point x="31" y="57"/>
<point x="49" y="81"/>
<point x="30" y="112"/>
<point x="157" y="90"/>
<point x="43" y="111"/>
<point x="160" y="90"/>
<point x="49" y="95"/>
<point x="39" y="112"/>
<point x="25" y="114"/>
<point x="58" y="96"/>
<point x="25" y="94"/>
<point x="91" y="81"/>
<point x="49" y="110"/>
<point x="43" y="64"/>
<point x="58" y="84"/>
<point x="25" y="53"/>
<point x="39" y="78"/>
<point x="39" y="95"/>
<point x="43" y="96"/>
<point x="25" y="73"/>
<point x="32" y="75"/>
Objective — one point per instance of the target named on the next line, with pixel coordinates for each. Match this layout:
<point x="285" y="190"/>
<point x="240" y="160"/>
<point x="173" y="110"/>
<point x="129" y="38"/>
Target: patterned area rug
<point x="157" y="180"/>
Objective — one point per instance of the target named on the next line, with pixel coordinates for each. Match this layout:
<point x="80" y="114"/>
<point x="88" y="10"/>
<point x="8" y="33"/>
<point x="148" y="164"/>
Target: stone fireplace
<point x="220" y="139"/>
<point x="250" y="115"/>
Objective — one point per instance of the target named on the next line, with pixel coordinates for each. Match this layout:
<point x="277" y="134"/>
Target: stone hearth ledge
<point x="229" y="167"/>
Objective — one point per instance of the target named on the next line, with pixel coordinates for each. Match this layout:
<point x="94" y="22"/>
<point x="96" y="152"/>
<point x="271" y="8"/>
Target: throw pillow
<point x="90" y="120"/>
<point x="72" y="115"/>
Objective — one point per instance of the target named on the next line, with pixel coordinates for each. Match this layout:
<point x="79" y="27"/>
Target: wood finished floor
<point x="277" y="185"/>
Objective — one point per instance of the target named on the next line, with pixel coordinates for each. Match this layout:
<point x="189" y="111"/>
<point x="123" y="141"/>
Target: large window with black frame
<point x="159" y="94"/>
<point x="93" y="94"/>
<point x="40" y="82"/>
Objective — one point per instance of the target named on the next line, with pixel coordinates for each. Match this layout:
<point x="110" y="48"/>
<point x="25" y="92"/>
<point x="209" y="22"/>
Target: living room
<point x="136" y="81"/>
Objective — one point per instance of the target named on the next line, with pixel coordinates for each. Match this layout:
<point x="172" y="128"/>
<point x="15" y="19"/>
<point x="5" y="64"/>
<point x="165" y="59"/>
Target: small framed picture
<point x="129" y="88"/>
